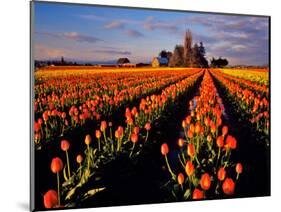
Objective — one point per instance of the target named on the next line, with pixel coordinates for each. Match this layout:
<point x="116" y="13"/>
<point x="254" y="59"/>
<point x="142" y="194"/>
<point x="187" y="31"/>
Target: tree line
<point x="189" y="55"/>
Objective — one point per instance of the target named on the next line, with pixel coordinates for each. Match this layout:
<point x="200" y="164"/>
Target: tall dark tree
<point x="195" y="59"/>
<point x="169" y="55"/>
<point x="163" y="54"/>
<point x="187" y="52"/>
<point x="198" y="56"/>
<point x="62" y="61"/>
<point x="177" y="59"/>
<point x="219" y="63"/>
<point x="202" y="49"/>
<point x="203" y="61"/>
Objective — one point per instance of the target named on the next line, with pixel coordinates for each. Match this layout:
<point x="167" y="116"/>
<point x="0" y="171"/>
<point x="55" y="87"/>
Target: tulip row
<point x="254" y="106"/>
<point x="259" y="76"/>
<point x="56" y="120"/>
<point x="204" y="151"/>
<point x="252" y="85"/>
<point x="107" y="146"/>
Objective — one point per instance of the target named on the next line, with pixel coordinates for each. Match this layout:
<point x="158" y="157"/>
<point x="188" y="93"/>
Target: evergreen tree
<point x="177" y="58"/>
<point x="187" y="52"/>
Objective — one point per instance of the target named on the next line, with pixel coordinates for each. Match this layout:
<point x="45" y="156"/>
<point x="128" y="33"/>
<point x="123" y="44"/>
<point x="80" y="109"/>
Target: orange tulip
<point x="180" y="178"/>
<point x="192" y="128"/>
<point x="65" y="145"/>
<point x="134" y="138"/>
<point x="98" y="134"/>
<point x="147" y="126"/>
<point x="79" y="159"/>
<point x="205" y="181"/>
<point x="213" y="128"/>
<point x="189" y="168"/>
<point x="189" y="134"/>
<point x="50" y="199"/>
<point x="88" y="139"/>
<point x="191" y="150"/>
<point x="230" y="142"/>
<point x="188" y="119"/>
<point x="103" y="126"/>
<point x="209" y="138"/>
<point x="164" y="149"/>
<point x="197" y="128"/>
<point x="180" y="142"/>
<point x="136" y="130"/>
<point x="184" y="124"/>
<point x="207" y="121"/>
<point x="224" y="130"/>
<point x="239" y="168"/>
<point x="221" y="174"/>
<point x="220" y="142"/>
<point x="56" y="165"/>
<point x="228" y="186"/>
<point x="197" y="194"/>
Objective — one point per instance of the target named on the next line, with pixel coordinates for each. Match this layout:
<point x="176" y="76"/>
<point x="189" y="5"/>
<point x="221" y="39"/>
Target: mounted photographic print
<point x="139" y="106"/>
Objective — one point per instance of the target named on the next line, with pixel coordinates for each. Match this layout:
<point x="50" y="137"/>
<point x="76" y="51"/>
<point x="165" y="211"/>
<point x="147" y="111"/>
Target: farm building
<point x="159" y="61"/>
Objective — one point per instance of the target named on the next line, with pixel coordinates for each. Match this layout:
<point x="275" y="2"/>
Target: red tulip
<point x="221" y="174"/>
<point x="189" y="168"/>
<point x="205" y="181"/>
<point x="197" y="194"/>
<point x="37" y="126"/>
<point x="228" y="186"/>
<point x="50" y="199"/>
<point x="56" y="165"/>
<point x="164" y="149"/>
<point x="65" y="145"/>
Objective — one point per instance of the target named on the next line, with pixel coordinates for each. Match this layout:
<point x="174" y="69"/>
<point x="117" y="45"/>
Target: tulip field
<point x="119" y="136"/>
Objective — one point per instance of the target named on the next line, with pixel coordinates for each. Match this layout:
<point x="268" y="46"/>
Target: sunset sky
<point x="91" y="33"/>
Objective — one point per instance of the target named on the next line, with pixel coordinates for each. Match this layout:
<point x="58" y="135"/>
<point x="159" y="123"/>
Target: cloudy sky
<point x="91" y="33"/>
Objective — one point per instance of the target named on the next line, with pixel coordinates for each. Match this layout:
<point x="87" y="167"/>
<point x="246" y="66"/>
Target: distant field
<point x="260" y="76"/>
<point x="104" y="69"/>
